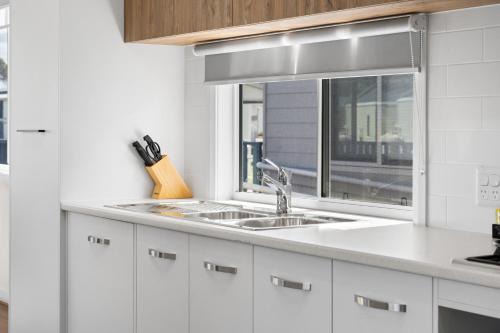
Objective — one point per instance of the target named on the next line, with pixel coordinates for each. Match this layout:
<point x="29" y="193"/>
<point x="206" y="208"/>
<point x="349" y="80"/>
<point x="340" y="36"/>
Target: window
<point x="4" y="60"/>
<point x="280" y="121"/>
<point x="366" y="138"/>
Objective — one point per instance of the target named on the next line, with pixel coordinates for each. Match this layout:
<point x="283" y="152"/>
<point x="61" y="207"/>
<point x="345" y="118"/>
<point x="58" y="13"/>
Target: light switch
<point x="483" y="179"/>
<point x="494" y="180"/>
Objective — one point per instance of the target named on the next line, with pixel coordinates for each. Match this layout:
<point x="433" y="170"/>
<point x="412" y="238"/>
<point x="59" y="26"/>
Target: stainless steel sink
<point x="279" y="222"/>
<point x="230" y="215"/>
<point x="227" y="215"/>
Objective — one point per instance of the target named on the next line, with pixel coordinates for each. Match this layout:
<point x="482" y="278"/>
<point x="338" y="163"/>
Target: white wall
<point x="464" y="113"/>
<point x="113" y="93"/>
<point x="199" y="113"/>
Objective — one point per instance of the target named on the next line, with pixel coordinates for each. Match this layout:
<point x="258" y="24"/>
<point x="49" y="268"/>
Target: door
<point x="292" y="292"/>
<point x="35" y="242"/>
<point x="100" y="275"/>
<point x="162" y="281"/>
<point x="220" y="286"/>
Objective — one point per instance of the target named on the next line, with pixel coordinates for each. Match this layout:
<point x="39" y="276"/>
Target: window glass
<point x="279" y="121"/>
<point x="371" y="139"/>
<point x="367" y="136"/>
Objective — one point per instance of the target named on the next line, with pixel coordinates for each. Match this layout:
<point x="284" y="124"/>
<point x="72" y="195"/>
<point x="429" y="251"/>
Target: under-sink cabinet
<point x="162" y="276"/>
<point x="369" y="299"/>
<point x="220" y="286"/>
<point x="100" y="275"/>
<point x="292" y="292"/>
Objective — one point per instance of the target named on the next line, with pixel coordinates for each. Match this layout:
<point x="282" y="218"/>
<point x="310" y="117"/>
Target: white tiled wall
<point x="464" y="113"/>
<point x="464" y="116"/>
<point x="198" y="120"/>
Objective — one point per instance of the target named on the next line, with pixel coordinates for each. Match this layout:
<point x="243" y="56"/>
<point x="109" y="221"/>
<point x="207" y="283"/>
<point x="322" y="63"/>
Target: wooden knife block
<point x="168" y="183"/>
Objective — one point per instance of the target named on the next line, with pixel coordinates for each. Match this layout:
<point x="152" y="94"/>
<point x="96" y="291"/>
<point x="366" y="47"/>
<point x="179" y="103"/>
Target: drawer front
<point x="162" y="280"/>
<point x="368" y="299"/>
<point x="469" y="297"/>
<point x="100" y="275"/>
<point x="292" y="292"/>
<point x="220" y="286"/>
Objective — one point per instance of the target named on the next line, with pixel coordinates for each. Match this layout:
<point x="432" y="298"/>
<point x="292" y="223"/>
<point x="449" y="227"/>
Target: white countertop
<point x="383" y="243"/>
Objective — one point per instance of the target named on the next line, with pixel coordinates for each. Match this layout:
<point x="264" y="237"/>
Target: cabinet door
<point x="255" y="11"/>
<point x="307" y="7"/>
<point x="146" y="19"/>
<point x="368" y="299"/>
<point x="220" y="286"/>
<point x="292" y="292"/>
<point x="201" y="15"/>
<point x="162" y="281"/>
<point x="100" y="275"/>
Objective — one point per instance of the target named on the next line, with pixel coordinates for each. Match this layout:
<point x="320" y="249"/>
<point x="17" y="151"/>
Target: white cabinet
<point x="368" y="299"/>
<point x="162" y="281"/>
<point x="34" y="160"/>
<point x="220" y="286"/>
<point x="292" y="292"/>
<point x="100" y="275"/>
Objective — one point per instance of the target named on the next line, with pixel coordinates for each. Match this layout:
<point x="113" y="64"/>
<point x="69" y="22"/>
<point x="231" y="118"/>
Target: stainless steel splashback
<point x="384" y="54"/>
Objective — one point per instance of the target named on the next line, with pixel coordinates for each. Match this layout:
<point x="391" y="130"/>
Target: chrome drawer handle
<point x="374" y="304"/>
<point x="218" y="268"/>
<point x="97" y="240"/>
<point x="162" y="255"/>
<point x="279" y="282"/>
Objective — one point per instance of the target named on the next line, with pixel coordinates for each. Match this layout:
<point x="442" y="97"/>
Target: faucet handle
<point x="283" y="175"/>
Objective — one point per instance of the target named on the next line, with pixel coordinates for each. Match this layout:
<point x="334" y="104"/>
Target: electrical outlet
<point x="494" y="195"/>
<point x="483" y="194"/>
<point x="488" y="186"/>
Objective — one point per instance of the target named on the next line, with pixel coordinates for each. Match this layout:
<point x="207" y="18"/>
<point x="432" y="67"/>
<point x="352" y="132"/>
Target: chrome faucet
<point x="282" y="187"/>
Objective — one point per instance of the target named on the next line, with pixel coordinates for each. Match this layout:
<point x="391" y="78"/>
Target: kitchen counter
<point x="391" y="244"/>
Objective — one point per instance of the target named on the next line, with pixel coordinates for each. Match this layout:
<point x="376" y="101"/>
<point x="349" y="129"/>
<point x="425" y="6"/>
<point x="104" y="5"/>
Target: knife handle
<point x="143" y="154"/>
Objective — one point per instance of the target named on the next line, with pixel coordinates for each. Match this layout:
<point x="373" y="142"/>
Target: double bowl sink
<point x="233" y="215"/>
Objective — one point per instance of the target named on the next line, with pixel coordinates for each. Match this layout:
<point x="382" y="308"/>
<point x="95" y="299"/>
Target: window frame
<point x="416" y="213"/>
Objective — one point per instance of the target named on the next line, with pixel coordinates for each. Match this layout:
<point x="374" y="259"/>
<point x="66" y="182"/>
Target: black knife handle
<point x="143" y="154"/>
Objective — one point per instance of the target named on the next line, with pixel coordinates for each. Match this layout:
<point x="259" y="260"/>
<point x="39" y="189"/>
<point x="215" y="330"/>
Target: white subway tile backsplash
<point x="455" y="113"/>
<point x="436" y="179"/>
<point x="481" y="79"/>
<point x="491" y="113"/>
<point x="195" y="70"/>
<point x="464" y="214"/>
<point x="456" y="47"/>
<point x="197" y="95"/>
<point x="437" y="22"/>
<point x="436" y="143"/>
<point x="472" y="18"/>
<point x="437" y="81"/>
<point x="463" y="113"/>
<point x="492" y="44"/>
<point x="472" y="147"/>
<point x="436" y="211"/>
<point x="459" y="180"/>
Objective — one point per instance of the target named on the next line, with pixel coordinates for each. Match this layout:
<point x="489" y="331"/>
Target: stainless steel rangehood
<point x="383" y="46"/>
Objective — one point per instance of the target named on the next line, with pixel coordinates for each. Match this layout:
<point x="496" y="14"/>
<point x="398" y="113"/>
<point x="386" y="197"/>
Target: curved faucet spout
<point x="282" y="187"/>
